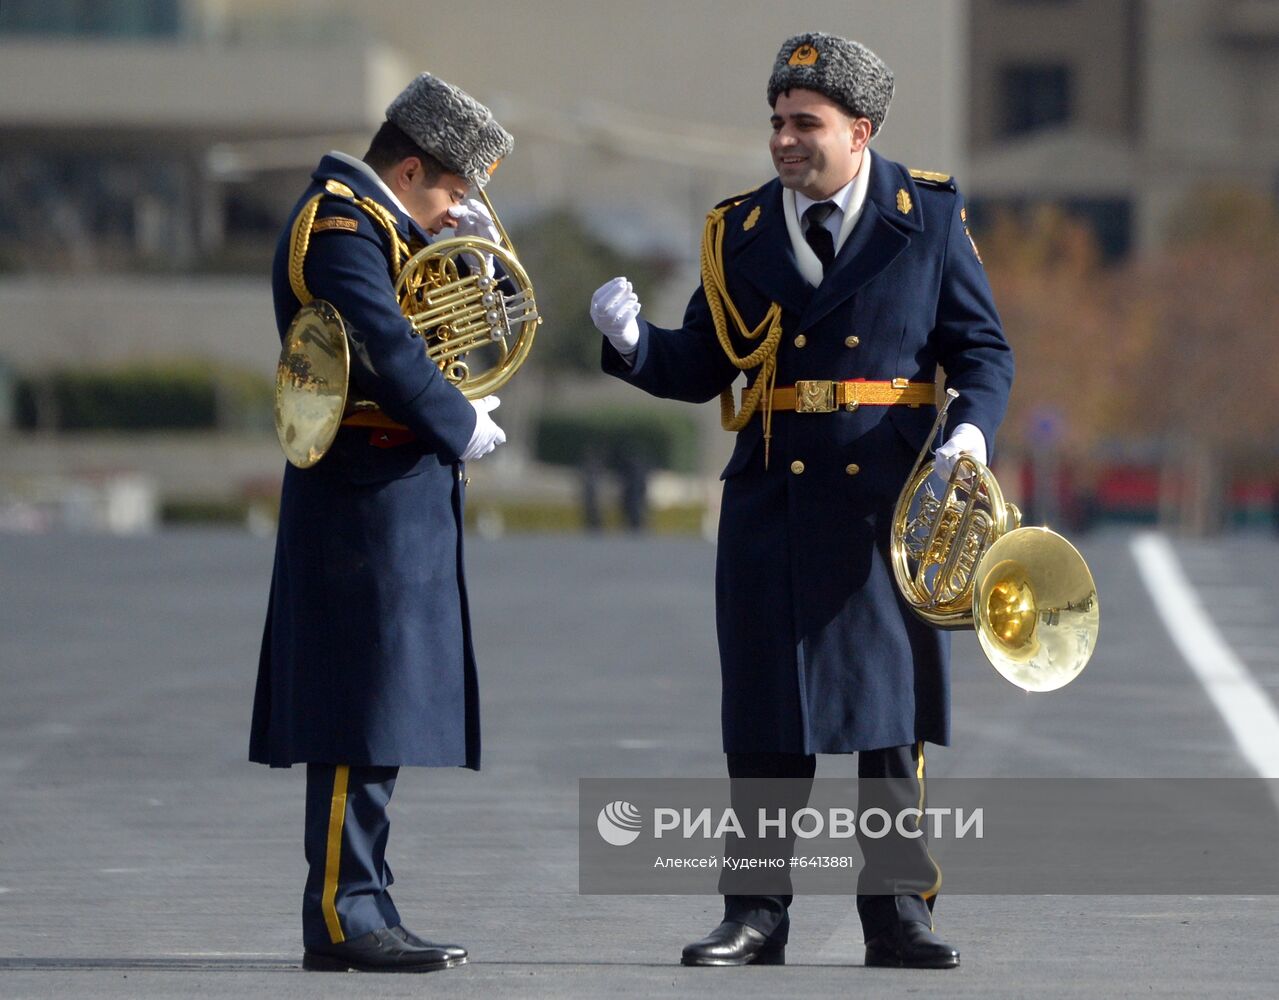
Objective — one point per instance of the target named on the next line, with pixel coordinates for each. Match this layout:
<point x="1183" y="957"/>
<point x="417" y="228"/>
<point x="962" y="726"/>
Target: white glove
<point x="487" y="435"/>
<point x="966" y="438"/>
<point x="614" y="308"/>
<point x="473" y="219"/>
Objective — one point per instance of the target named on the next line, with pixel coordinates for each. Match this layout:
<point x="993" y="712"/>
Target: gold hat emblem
<point x="904" y="203"/>
<point x="805" y="55"/>
<point x="751" y="219"/>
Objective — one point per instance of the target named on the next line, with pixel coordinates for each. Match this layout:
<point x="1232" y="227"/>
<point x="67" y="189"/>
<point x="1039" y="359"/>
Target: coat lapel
<point x="764" y="257"/>
<point x="880" y="235"/>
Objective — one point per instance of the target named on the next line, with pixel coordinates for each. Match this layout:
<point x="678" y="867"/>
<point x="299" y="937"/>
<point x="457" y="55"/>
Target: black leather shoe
<point x="387" y="949"/>
<point x="910" y="945"/>
<point x="732" y="943"/>
<point x="453" y="951"/>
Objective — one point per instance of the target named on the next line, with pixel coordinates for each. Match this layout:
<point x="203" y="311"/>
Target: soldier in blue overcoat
<point x="366" y="660"/>
<point x="839" y="288"/>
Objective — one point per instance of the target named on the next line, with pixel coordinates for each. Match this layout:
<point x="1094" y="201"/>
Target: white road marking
<point x="1242" y="702"/>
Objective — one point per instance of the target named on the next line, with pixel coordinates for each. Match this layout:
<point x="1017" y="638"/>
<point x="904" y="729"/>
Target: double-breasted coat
<point x="818" y="652"/>
<point x="366" y="654"/>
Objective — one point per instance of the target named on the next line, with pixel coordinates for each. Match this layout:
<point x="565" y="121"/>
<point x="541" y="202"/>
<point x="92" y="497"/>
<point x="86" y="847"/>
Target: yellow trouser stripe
<point x="333" y="856"/>
<point x="919" y="776"/>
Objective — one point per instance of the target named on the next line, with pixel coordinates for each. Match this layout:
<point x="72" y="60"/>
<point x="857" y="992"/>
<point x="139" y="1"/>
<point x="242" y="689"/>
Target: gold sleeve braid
<point x="300" y="237"/>
<point x="763" y="357"/>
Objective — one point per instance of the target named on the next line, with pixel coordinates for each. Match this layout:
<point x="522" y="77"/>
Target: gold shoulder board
<point x="930" y="176"/>
<point x="737" y="199"/>
<point x="339" y="189"/>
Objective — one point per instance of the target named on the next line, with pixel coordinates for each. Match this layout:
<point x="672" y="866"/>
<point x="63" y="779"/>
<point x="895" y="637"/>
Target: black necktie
<point x="817" y="235"/>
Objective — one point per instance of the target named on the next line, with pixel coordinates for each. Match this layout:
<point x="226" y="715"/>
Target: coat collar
<point x="892" y="213"/>
<point x="765" y="257"/>
<point x="364" y="186"/>
<point x="763" y="254"/>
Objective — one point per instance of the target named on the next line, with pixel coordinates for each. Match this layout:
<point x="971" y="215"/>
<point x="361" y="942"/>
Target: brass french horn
<point x="468" y="298"/>
<point x="962" y="560"/>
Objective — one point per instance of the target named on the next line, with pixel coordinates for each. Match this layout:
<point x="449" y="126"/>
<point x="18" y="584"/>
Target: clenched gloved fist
<point x="487" y="435"/>
<point x="966" y="438"/>
<point x="614" y="308"/>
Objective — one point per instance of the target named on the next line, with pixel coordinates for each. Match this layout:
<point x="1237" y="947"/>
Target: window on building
<point x="1034" y="96"/>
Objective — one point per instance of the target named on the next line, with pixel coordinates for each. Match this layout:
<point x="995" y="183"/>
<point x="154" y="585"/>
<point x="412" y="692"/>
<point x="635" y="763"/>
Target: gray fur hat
<point x="845" y="71"/>
<point x="452" y="126"/>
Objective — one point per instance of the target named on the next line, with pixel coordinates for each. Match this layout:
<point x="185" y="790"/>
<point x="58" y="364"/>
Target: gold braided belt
<point x="825" y="396"/>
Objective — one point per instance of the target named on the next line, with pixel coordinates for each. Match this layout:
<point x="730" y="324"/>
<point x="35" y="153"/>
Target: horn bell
<point x="961" y="560"/>
<point x="1035" y="609"/>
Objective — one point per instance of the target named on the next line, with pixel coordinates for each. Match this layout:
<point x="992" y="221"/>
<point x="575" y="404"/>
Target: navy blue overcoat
<point x="818" y="652"/>
<point x="366" y="654"/>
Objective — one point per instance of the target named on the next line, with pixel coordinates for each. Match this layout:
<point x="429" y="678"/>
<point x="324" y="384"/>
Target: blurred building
<point x="1119" y="110"/>
<point x="151" y="149"/>
<point x="141" y="140"/>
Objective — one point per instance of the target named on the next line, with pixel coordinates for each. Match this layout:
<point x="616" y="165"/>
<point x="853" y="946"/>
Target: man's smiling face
<point x="816" y="145"/>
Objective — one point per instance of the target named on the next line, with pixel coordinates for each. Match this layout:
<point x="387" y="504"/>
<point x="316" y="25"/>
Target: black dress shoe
<point x="454" y="951"/>
<point x="910" y="945"/>
<point x="387" y="949"/>
<point x="732" y="943"/>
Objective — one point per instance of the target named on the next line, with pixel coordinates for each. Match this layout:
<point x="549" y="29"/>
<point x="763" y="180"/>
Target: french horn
<point x="468" y="298"/>
<point x="961" y="559"/>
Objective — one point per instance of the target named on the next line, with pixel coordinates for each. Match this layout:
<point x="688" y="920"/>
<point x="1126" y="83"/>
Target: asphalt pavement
<point x="141" y="855"/>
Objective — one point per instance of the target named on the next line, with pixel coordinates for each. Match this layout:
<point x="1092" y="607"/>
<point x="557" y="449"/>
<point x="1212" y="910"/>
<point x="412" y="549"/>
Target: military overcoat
<point x="818" y="652"/>
<point x="366" y="655"/>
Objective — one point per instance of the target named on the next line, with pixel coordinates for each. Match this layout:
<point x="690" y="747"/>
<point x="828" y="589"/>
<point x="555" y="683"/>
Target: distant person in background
<point x="366" y="661"/>
<point x="839" y="288"/>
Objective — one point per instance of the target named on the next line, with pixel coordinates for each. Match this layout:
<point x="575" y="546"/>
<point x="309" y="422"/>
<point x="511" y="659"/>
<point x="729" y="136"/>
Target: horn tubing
<point x="455" y="313"/>
<point x="434" y="317"/>
<point x="497" y="222"/>
<point x="452" y="293"/>
<point x="460" y="345"/>
<point x="961" y="532"/>
<point x="920" y="583"/>
<point x="468" y="306"/>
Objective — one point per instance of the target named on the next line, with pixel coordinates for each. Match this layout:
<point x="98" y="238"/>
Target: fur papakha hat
<point x="845" y="71"/>
<point x="452" y="126"/>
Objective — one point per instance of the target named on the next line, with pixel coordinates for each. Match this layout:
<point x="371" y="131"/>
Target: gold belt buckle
<point x="815" y="396"/>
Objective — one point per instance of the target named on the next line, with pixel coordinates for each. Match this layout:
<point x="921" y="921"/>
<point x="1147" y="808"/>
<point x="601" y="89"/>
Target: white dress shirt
<point x="849" y="202"/>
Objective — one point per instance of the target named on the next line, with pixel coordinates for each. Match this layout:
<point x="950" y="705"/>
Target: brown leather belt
<point x="825" y="396"/>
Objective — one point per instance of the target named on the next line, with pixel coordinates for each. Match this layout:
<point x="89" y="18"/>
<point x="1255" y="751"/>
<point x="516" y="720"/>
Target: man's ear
<point x="860" y="130"/>
<point x="405" y="172"/>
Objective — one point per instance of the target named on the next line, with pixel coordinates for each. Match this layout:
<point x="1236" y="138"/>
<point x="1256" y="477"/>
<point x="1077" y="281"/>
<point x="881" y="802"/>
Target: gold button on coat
<point x="797" y="467"/>
<point x="852" y="468"/>
<point x="852" y="341"/>
<point x="801" y="340"/>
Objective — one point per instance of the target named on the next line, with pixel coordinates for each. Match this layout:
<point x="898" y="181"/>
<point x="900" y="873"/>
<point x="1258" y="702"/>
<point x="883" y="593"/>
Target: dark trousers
<point x="898" y="880"/>
<point x="346" y="829"/>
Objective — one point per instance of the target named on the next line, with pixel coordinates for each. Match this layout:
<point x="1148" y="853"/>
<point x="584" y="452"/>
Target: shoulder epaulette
<point x="737" y="199"/>
<point x="932" y="178"/>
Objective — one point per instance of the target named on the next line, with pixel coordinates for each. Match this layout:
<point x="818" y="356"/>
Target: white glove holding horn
<point x="487" y="435"/>
<point x="965" y="439"/>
